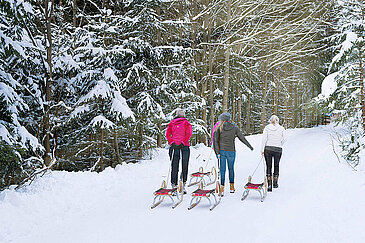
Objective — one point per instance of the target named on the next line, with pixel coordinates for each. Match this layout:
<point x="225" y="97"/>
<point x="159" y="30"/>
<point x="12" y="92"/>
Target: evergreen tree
<point x="343" y="89"/>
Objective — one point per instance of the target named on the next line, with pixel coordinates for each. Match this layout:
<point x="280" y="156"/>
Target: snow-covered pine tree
<point x="343" y="88"/>
<point x="99" y="109"/>
<point x="159" y="78"/>
<point x="21" y="152"/>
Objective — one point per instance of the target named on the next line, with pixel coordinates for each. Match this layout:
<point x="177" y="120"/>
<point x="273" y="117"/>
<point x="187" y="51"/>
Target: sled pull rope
<point x="262" y="158"/>
<point x="172" y="157"/>
<point x="207" y="162"/>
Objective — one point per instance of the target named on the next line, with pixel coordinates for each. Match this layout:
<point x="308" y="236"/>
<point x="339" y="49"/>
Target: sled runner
<point x="175" y="194"/>
<point x="208" y="178"/>
<point x="209" y="194"/>
<point x="260" y="188"/>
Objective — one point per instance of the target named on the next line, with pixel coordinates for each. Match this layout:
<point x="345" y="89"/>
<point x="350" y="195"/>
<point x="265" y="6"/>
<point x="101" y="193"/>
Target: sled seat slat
<point x="164" y="191"/>
<point x="200" y="174"/>
<point x="254" y="186"/>
<point x="202" y="193"/>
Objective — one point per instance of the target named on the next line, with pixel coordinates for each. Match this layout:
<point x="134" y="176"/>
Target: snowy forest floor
<point x="318" y="200"/>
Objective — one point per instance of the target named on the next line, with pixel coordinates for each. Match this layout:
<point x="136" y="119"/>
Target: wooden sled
<point x="260" y="188"/>
<point x="175" y="194"/>
<point x="208" y="178"/>
<point x="209" y="194"/>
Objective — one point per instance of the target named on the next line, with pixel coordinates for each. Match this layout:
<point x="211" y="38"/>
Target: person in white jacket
<point x="272" y="141"/>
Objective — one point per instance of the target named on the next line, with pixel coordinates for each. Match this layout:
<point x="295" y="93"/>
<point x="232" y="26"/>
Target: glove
<point x="251" y="148"/>
<point x="174" y="146"/>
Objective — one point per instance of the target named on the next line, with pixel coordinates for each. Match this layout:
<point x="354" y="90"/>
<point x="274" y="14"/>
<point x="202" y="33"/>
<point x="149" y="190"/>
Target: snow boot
<point x="173" y="186"/>
<point x="275" y="182"/>
<point x="231" y="188"/>
<point x="269" y="183"/>
<point x="184" y="188"/>
<point x="221" y="192"/>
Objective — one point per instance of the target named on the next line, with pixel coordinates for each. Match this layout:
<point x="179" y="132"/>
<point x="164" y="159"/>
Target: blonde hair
<point x="220" y="126"/>
<point x="274" y="120"/>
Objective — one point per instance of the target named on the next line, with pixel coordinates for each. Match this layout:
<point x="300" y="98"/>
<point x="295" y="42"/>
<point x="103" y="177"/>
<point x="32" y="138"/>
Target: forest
<point x="87" y="84"/>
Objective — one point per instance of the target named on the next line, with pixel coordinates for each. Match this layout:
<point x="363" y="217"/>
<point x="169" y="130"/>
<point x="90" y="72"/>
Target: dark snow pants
<point x="269" y="155"/>
<point x="185" y="152"/>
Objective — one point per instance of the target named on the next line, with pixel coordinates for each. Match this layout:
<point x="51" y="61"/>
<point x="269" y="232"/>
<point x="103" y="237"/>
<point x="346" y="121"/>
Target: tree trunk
<point x="233" y="97"/>
<point x="159" y="136"/>
<point x="204" y="82"/>
<point x="159" y="40"/>
<point x="115" y="141"/>
<point x="295" y="106"/>
<point x="276" y="94"/>
<point x="90" y="149"/>
<point x="239" y="108"/>
<point x="47" y="144"/>
<point x="286" y="96"/>
<point x="140" y="154"/>
<point x="226" y="63"/>
<point x="264" y="90"/>
<point x="74" y="14"/>
<point x="211" y="86"/>
<point x="248" y="112"/>
<point x="290" y="106"/>
<point x="194" y="36"/>
<point x="101" y="148"/>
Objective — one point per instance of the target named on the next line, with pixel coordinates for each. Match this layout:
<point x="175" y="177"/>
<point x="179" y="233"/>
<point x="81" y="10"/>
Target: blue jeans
<point x="227" y="157"/>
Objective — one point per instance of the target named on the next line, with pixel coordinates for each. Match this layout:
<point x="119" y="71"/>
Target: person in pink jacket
<point x="178" y="134"/>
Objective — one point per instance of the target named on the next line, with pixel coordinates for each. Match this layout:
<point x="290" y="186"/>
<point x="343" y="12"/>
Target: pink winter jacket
<point x="179" y="131"/>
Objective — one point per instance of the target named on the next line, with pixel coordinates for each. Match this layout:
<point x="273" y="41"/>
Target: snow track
<point x="318" y="200"/>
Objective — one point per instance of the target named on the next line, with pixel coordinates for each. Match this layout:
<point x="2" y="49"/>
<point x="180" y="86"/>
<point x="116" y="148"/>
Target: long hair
<point x="220" y="126"/>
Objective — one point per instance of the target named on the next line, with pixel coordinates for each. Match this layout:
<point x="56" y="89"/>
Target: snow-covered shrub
<point x="352" y="143"/>
<point x="12" y="167"/>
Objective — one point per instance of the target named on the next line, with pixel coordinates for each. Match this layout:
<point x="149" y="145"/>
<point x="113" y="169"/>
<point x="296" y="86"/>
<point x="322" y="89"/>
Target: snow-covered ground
<point x="319" y="200"/>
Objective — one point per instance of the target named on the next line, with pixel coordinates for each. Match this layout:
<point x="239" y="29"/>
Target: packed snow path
<point x="318" y="200"/>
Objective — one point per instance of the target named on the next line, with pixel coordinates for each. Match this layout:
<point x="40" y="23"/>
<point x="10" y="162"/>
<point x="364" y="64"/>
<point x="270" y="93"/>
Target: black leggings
<point x="268" y="158"/>
<point x="185" y="152"/>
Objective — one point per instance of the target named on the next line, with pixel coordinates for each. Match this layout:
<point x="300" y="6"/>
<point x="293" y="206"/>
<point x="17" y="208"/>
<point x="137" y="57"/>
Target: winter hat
<point x="274" y="120"/>
<point x="224" y="116"/>
<point x="180" y="112"/>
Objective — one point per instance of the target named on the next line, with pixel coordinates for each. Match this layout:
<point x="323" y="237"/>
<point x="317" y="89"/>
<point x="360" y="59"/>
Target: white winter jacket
<point x="273" y="136"/>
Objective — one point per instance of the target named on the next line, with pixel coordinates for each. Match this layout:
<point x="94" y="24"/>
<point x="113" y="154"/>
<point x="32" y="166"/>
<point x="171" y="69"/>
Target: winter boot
<point x="184" y="188"/>
<point x="221" y="192"/>
<point x="173" y="187"/>
<point x="269" y="183"/>
<point x="275" y="182"/>
<point x="231" y="188"/>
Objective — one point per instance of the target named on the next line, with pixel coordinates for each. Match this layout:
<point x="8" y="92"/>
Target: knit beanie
<point x="180" y="112"/>
<point x="224" y="116"/>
